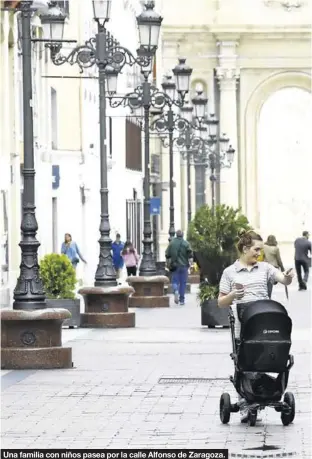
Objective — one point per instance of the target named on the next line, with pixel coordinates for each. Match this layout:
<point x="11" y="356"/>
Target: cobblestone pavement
<point x="113" y="398"/>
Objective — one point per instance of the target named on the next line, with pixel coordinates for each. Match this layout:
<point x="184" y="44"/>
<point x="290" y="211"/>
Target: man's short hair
<point x="117" y="235"/>
<point x="305" y="233"/>
<point x="179" y="233"/>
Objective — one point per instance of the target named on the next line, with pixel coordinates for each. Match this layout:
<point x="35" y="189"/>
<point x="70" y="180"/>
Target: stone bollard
<point x="33" y="339"/>
<point x="107" y="307"/>
<point x="149" y="292"/>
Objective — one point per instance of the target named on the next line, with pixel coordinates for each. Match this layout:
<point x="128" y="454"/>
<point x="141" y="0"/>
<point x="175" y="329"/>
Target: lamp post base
<point x="107" y="307"/>
<point x="33" y="339"/>
<point x="149" y="292"/>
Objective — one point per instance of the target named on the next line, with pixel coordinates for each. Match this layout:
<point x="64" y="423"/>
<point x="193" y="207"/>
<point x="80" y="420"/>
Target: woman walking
<point x="71" y="250"/>
<point x="246" y="281"/>
<point x="130" y="258"/>
<point x="273" y="257"/>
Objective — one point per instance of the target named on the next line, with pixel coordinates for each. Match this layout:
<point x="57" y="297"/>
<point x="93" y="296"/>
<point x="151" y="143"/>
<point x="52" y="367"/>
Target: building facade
<point x="66" y="143"/>
<point x="243" y="56"/>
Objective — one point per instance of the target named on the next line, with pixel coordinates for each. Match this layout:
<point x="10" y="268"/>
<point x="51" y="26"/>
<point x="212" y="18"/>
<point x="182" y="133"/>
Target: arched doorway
<point x="284" y="164"/>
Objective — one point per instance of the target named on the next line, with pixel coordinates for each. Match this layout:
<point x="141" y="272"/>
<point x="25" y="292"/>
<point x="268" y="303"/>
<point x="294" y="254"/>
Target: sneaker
<point x="176" y="297"/>
<point x="182" y="303"/>
<point x="244" y="416"/>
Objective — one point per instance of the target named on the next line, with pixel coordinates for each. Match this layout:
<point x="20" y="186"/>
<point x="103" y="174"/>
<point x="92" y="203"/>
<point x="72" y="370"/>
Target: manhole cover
<point x="189" y="380"/>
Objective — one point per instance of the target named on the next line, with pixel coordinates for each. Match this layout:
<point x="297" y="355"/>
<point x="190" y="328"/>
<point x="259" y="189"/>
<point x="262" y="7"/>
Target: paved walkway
<point x="115" y="398"/>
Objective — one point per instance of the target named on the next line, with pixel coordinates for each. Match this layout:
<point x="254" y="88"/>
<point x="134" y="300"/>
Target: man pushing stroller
<point x="244" y="284"/>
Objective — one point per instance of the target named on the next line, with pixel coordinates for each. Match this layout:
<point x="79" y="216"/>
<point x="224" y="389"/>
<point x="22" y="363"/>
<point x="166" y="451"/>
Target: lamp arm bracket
<point x="123" y="56"/>
<point x="83" y="55"/>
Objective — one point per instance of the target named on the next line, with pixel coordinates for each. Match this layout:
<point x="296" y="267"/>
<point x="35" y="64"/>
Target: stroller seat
<point x="265" y="338"/>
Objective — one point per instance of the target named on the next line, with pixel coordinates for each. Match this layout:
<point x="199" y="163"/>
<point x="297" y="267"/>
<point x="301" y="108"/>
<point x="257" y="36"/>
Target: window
<point x="200" y="185"/>
<point x="133" y="146"/>
<point x="54" y="118"/>
<point x="155" y="164"/>
<point x="54" y="226"/>
<point x="64" y="5"/>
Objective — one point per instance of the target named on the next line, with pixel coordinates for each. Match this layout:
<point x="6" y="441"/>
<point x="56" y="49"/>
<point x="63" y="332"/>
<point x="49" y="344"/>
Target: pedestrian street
<point x="126" y="390"/>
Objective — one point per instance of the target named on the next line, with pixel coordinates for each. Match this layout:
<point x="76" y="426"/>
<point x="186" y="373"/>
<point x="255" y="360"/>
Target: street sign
<point x="155" y="206"/>
<point x="55" y="176"/>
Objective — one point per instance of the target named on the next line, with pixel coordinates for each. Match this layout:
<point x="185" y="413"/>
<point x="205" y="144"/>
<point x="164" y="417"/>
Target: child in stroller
<point x="263" y="348"/>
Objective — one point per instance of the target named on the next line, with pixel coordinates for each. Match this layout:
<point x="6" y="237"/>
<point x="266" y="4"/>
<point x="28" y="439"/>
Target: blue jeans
<point x="179" y="279"/>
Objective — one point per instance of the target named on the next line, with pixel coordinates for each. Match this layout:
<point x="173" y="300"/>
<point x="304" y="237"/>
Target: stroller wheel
<point x="252" y="418"/>
<point x="225" y="408"/>
<point x="289" y="416"/>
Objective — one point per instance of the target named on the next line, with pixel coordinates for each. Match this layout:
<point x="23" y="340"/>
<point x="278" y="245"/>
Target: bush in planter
<point x="213" y="237"/>
<point x="59" y="279"/>
<point x="58" y="276"/>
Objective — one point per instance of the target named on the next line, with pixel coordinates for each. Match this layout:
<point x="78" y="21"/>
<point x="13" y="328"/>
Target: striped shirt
<point x="255" y="282"/>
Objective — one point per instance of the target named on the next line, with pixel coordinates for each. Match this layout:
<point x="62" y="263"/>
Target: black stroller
<point x="263" y="347"/>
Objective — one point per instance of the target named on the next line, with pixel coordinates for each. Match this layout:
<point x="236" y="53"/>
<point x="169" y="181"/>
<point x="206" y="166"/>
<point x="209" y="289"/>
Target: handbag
<point x="173" y="265"/>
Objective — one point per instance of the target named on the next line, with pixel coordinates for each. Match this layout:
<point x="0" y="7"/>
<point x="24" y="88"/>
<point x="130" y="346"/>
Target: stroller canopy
<point x="266" y="320"/>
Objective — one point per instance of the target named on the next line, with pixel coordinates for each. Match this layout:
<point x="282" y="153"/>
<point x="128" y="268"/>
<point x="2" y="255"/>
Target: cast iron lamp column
<point x="110" y="58"/>
<point x="29" y="292"/>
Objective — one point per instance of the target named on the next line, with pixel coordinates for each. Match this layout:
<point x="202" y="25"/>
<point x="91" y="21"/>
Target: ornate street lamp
<point x="149" y="23"/>
<point x="53" y="25"/>
<point x="101" y="10"/>
<point x="200" y="106"/>
<point x="110" y="57"/>
<point x="146" y="97"/>
<point x="35" y="330"/>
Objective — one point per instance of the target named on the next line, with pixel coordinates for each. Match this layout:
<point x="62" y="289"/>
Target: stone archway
<point x="249" y="152"/>
<point x="285" y="163"/>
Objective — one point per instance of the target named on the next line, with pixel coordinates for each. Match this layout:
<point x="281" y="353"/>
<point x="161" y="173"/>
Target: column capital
<point x="227" y="77"/>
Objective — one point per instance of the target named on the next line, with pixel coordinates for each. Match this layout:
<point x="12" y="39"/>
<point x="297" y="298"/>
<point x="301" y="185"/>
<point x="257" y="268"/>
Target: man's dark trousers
<point x="179" y="280"/>
<point x="299" y="265"/>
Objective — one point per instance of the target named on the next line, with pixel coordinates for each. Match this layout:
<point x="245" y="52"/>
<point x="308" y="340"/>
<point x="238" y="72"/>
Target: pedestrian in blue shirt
<point x="118" y="262"/>
<point x="71" y="250"/>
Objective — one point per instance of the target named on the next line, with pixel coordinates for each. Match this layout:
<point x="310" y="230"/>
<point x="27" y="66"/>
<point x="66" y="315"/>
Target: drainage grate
<point x="189" y="380"/>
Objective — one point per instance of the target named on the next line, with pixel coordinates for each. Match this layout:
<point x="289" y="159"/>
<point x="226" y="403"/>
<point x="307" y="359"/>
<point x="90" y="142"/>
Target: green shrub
<point x="213" y="238"/>
<point x="207" y="292"/>
<point x="58" y="276"/>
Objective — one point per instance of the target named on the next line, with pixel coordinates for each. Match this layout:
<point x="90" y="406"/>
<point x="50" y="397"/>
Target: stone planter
<point x="107" y="307"/>
<point x="212" y="315"/>
<point x="73" y="306"/>
<point x="169" y="290"/>
<point x="148" y="292"/>
<point x="194" y="278"/>
<point x="33" y="339"/>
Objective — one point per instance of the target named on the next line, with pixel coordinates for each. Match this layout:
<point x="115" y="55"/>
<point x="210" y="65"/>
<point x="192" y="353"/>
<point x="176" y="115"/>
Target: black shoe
<point x="302" y="287"/>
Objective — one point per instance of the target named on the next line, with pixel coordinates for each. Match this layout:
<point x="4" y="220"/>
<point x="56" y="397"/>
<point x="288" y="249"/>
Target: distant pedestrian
<point x="117" y="247"/>
<point x="302" y="259"/>
<point x="178" y="254"/>
<point x="273" y="257"/>
<point x="130" y="258"/>
<point x="71" y="250"/>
